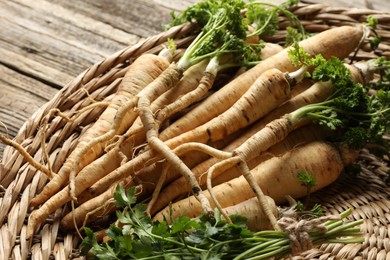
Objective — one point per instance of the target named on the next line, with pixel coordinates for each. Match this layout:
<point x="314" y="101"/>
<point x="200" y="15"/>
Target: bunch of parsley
<point x="138" y="237"/>
<point x="262" y="16"/>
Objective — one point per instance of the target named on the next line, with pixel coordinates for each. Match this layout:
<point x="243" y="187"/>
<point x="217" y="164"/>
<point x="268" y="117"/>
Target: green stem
<point x="300" y="113"/>
<point x="184" y="60"/>
<point x="261" y="29"/>
<point x="179" y="254"/>
<point x="261" y="246"/>
<point x="270" y="233"/>
<point x="370" y="114"/>
<point x="338" y="229"/>
<point x="281" y="251"/>
<point x="188" y="59"/>
<point x="287" y="13"/>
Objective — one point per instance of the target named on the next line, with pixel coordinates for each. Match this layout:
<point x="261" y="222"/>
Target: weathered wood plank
<point x="79" y="28"/>
<point x="137" y="17"/>
<point x="20" y="96"/>
<point x="175" y="4"/>
<point x="381" y="5"/>
<point x="61" y="49"/>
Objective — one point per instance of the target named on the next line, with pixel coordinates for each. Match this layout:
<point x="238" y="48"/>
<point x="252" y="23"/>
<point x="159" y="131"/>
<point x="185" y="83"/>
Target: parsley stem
<point x="200" y="250"/>
<point x="270" y="233"/>
<point x="290" y="16"/>
<point x="262" y="246"/>
<point x="338" y="229"/>
<point x="261" y="30"/>
<point x="281" y="251"/>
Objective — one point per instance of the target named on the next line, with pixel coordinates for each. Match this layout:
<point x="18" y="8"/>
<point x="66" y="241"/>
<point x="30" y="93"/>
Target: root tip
<point x="34" y="203"/>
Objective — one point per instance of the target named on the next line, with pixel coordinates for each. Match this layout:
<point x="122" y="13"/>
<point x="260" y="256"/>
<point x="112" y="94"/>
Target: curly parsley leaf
<point x="362" y="118"/>
<point x="293" y="36"/>
<point x="265" y="21"/>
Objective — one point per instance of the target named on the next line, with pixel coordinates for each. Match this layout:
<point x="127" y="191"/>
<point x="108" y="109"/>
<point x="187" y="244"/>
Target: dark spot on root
<point x="208" y="131"/>
<point x="246" y="116"/>
<point x="196" y="190"/>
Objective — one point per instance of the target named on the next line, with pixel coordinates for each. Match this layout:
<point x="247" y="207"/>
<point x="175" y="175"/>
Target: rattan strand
<point x="368" y="196"/>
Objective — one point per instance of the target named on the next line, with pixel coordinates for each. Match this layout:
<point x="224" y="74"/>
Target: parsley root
<point x="141" y="72"/>
<point x="276" y="172"/>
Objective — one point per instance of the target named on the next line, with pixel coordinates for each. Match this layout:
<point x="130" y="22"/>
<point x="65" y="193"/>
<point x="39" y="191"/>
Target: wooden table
<point x="46" y="43"/>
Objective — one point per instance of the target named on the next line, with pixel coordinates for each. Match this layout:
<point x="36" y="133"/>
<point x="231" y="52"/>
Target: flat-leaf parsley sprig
<point x="138" y="237"/>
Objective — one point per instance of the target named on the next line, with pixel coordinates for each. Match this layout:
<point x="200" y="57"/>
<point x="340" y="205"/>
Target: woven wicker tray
<point x="369" y="195"/>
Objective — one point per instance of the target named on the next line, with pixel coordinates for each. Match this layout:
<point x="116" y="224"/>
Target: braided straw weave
<point x="369" y="194"/>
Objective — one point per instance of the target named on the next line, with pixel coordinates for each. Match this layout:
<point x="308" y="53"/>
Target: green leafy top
<point x="382" y="67"/>
<point x="265" y="20"/>
<point x="139" y="237"/>
<point x="315" y="211"/>
<point x="223" y="30"/>
<point x="362" y="118"/>
<point x="372" y="23"/>
<point x="374" y="124"/>
<point x="203" y="11"/>
<point x="299" y="57"/>
<point x="199" y="12"/>
<point x="293" y="36"/>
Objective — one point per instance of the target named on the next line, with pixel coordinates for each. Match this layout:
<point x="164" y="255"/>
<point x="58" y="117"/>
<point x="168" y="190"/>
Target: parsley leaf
<point x="138" y="237"/>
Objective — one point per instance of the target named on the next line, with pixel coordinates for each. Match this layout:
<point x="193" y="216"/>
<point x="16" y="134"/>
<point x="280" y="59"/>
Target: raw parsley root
<point x="141" y="72"/>
<point x="256" y="219"/>
<point x="179" y="187"/>
<point x="277" y="177"/>
<point x="223" y="33"/>
<point x="303" y="135"/>
<point x="271" y="89"/>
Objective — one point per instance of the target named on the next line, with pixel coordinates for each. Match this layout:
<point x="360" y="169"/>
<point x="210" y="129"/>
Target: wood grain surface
<point x="46" y="43"/>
